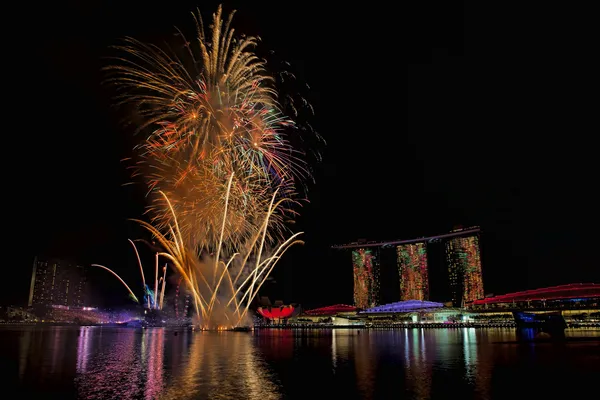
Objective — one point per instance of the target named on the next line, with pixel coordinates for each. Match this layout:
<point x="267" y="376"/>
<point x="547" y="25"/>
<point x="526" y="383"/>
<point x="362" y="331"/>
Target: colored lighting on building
<point x="332" y="310"/>
<point x="404" y="306"/>
<point x="276" y="312"/>
<point x="464" y="268"/>
<point x="580" y="291"/>
<point x="366" y="278"/>
<point x="412" y="268"/>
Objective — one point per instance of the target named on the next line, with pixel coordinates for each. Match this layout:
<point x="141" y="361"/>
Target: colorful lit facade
<point x="412" y="268"/>
<point x="464" y="268"/>
<point x="366" y="278"/>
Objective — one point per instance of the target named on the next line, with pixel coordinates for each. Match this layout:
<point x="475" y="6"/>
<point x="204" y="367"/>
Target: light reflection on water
<point x="158" y="363"/>
<point x="131" y="364"/>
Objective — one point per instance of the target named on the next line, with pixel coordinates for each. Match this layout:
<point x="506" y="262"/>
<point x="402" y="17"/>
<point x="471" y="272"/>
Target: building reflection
<point x="484" y="363"/>
<point x="122" y="363"/>
<point x="334" y="349"/>
<point x="277" y="344"/>
<point x="46" y="357"/>
<point x="24" y="346"/>
<point x="83" y="348"/>
<point x="365" y="360"/>
<point x="342" y="346"/>
<point x="417" y="367"/>
<point x="470" y="353"/>
<point x="110" y="366"/>
<point x="56" y="349"/>
<point x="154" y="384"/>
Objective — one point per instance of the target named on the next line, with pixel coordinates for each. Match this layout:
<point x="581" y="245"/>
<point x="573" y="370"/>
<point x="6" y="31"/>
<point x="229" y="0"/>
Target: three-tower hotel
<point x="464" y="278"/>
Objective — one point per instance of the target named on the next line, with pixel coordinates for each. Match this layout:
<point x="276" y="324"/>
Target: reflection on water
<point x="83" y="349"/>
<point x="221" y="366"/>
<point x="470" y="353"/>
<point x="122" y="363"/>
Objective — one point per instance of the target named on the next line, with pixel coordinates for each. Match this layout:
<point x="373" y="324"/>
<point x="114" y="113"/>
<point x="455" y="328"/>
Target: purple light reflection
<point x="83" y="348"/>
<point x="155" y="383"/>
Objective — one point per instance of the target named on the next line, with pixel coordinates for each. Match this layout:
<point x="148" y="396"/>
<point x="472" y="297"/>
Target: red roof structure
<point x="276" y="312"/>
<point x="572" y="291"/>
<point x="332" y="310"/>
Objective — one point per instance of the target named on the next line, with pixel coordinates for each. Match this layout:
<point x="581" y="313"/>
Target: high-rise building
<point x="413" y="271"/>
<point x="366" y="278"/>
<point x="55" y="282"/>
<point x="464" y="268"/>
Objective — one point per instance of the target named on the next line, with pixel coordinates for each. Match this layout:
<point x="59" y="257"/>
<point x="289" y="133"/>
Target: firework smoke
<point x="220" y="172"/>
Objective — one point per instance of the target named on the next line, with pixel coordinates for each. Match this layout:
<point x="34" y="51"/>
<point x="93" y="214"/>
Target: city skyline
<point x="441" y="142"/>
<point x="264" y="200"/>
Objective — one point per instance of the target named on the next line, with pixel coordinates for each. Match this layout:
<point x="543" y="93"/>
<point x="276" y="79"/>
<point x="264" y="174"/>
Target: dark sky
<point x="433" y="117"/>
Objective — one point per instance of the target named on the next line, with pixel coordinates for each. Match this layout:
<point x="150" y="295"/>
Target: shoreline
<point x="412" y="326"/>
<point x="577" y="326"/>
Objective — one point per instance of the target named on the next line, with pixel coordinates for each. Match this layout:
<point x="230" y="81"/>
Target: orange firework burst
<point x="216" y="158"/>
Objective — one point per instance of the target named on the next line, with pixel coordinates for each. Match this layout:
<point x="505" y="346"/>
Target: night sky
<point x="433" y="118"/>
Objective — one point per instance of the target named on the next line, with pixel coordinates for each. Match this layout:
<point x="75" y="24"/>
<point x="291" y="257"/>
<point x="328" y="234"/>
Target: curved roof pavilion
<point x="404" y="306"/>
<point x="562" y="292"/>
<point x="331" y="310"/>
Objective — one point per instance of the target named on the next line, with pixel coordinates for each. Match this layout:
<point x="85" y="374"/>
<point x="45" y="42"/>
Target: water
<point x="124" y="363"/>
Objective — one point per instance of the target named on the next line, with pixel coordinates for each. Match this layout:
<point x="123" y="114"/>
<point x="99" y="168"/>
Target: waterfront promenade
<point x="411" y="326"/>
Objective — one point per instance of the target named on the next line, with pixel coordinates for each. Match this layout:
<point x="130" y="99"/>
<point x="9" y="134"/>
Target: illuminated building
<point x="572" y="295"/>
<point x="464" y="269"/>
<point x="276" y="314"/>
<point x="366" y="278"/>
<point x="413" y="311"/>
<point x="413" y="262"/>
<point x="56" y="282"/>
<point x="404" y="306"/>
<point x="337" y="309"/>
<point x="412" y="268"/>
<point x="338" y="314"/>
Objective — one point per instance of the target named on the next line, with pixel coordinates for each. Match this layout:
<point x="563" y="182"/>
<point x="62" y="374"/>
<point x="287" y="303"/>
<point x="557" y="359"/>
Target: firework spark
<point x="152" y="299"/>
<point x="220" y="171"/>
<point x="211" y="110"/>
<point x="217" y="302"/>
<point x="120" y="279"/>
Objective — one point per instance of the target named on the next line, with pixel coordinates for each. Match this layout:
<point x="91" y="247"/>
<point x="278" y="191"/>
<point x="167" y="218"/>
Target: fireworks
<point x="211" y="110"/>
<point x="152" y="298"/>
<point x="133" y="296"/>
<point x="222" y="286"/>
<point x="220" y="171"/>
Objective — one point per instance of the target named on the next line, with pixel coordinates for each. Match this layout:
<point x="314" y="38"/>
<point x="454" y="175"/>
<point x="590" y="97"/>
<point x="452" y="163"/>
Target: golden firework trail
<point x="206" y="295"/>
<point x="220" y="171"/>
<point x="154" y="300"/>
<point x="120" y="279"/>
<point x="211" y="109"/>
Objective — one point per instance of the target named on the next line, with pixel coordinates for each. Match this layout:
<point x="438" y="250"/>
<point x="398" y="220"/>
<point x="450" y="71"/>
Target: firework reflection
<point x="220" y="365"/>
